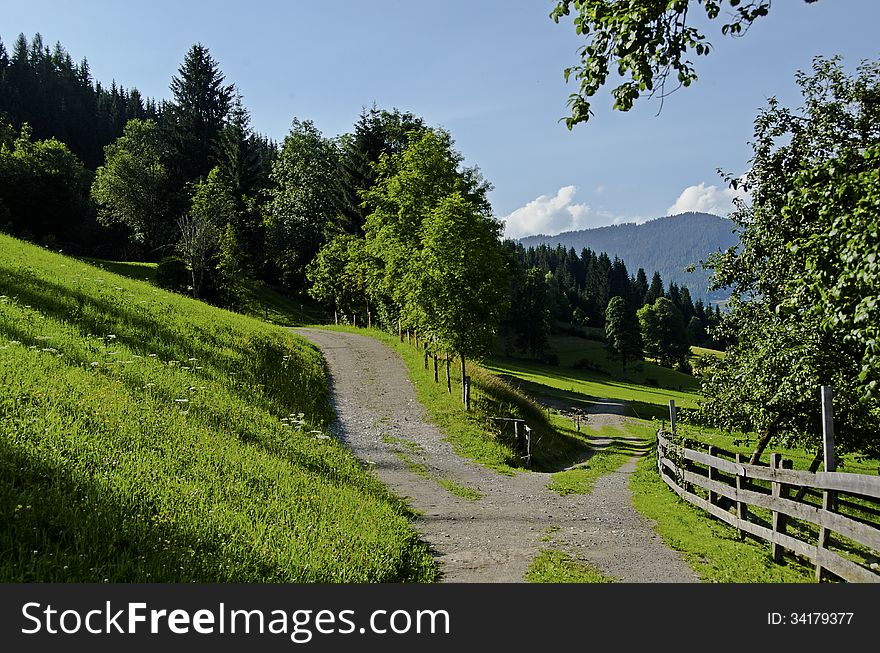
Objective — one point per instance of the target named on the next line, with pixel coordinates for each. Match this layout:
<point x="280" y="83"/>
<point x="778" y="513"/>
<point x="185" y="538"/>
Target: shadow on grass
<point x="257" y="359"/>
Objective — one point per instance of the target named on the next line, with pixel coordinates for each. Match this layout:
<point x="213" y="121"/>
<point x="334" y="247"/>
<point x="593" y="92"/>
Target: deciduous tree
<point x="648" y="43"/>
<point x="622" y="334"/>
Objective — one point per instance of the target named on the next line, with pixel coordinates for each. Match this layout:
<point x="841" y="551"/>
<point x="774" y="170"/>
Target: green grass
<point x="459" y="490"/>
<point x="552" y="566"/>
<point x="472" y="435"/>
<point x="149" y="437"/>
<point x="712" y="548"/>
<point x="132" y="270"/>
<point x="252" y="297"/>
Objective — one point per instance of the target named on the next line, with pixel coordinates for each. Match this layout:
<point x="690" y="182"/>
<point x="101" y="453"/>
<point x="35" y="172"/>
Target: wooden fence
<point x="831" y="518"/>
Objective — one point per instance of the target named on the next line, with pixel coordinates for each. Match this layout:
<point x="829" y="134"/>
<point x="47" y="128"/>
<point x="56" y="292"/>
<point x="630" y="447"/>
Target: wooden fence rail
<point x="770" y="488"/>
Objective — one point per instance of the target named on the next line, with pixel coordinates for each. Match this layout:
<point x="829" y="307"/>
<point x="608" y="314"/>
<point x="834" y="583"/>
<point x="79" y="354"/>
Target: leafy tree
<point x="646" y="42"/>
<point x="197" y="114"/>
<point x="43" y="188"/>
<point x="204" y="229"/>
<point x="340" y="273"/>
<point x="198" y="240"/>
<point x="663" y="333"/>
<point x="303" y="202"/>
<point x="622" y="331"/>
<point x="804" y="281"/>
<point x="408" y="187"/>
<point x="376" y="132"/>
<point x="696" y="332"/>
<point x="463" y="290"/>
<point x="132" y="187"/>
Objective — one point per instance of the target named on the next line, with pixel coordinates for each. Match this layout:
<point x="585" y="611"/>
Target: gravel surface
<point x="496" y="537"/>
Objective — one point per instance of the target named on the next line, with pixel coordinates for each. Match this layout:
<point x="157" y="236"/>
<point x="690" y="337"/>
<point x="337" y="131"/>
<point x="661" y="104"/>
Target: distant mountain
<point x="668" y="245"/>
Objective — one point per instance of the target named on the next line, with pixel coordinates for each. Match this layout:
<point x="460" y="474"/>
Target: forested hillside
<point x="668" y="245"/>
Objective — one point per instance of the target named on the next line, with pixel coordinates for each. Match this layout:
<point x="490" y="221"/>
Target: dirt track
<point x="494" y="538"/>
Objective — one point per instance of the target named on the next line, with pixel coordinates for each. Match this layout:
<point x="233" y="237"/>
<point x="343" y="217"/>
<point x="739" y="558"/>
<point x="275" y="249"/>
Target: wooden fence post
<point x="436" y="374"/>
<point x="528" y="447"/>
<point x="828" y="430"/>
<point x="742" y="508"/>
<point x="713" y="476"/>
<point x="780" y="491"/>
<point x="828" y="498"/>
<point x="407" y="337"/>
<point x="672" y="421"/>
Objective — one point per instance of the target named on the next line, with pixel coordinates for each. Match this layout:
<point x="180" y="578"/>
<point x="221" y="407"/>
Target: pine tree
<point x="640" y="288"/>
<point x="688" y="310"/>
<point x="622" y="331"/>
<point x="198" y="113"/>
<point x="655" y="290"/>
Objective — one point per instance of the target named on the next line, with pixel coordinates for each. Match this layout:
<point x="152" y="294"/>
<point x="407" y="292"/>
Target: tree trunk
<point x="769" y="432"/>
<point x="448" y="376"/>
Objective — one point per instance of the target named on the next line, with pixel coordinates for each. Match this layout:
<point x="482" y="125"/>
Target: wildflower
<point x="94" y="363"/>
<point x="182" y="401"/>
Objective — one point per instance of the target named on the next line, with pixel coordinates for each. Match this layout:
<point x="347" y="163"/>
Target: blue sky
<point x="489" y="71"/>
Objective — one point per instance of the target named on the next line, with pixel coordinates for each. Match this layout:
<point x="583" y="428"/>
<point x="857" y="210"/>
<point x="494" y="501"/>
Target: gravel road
<point x="494" y="538"/>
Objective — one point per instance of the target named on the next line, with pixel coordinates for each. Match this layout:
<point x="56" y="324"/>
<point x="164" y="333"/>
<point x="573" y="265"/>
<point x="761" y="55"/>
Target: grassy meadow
<point x="145" y="436"/>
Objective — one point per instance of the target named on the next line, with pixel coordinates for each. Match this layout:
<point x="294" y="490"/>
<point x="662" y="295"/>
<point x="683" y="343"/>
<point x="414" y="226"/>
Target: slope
<point x="148" y="437"/>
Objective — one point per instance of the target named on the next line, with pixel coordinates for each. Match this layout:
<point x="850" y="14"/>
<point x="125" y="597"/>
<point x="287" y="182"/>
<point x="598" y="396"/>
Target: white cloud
<point x="553" y="215"/>
<point x="706" y="199"/>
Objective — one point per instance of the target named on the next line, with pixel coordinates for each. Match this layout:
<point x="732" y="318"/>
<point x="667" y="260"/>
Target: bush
<point x="172" y="274"/>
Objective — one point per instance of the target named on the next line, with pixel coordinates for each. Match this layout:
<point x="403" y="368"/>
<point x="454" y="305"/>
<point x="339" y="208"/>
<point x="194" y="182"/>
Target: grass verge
<point x="712" y="548"/>
<point x="552" y="566"/>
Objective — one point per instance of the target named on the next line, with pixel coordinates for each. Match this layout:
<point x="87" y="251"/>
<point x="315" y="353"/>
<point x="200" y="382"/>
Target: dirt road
<point x="493" y="538"/>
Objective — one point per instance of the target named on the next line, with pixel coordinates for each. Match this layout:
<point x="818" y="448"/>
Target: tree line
<point x="385" y="219"/>
<point x="557" y="286"/>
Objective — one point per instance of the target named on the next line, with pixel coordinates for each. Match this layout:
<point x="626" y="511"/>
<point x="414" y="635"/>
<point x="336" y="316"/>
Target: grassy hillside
<point x="586" y="373"/>
<point x="145" y="436"/>
<point x="254" y="298"/>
